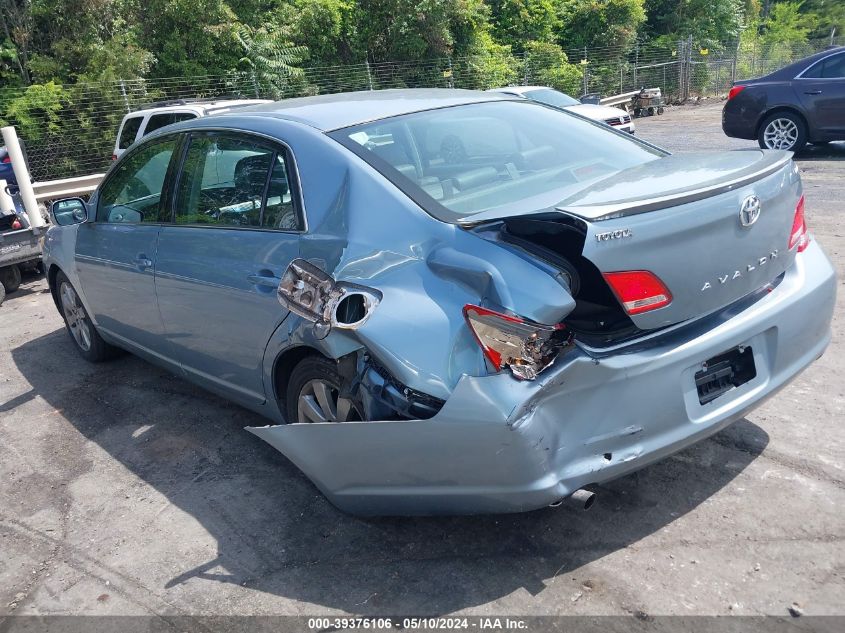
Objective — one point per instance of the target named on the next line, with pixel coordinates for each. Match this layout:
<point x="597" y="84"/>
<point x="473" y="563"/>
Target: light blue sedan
<point x="449" y="301"/>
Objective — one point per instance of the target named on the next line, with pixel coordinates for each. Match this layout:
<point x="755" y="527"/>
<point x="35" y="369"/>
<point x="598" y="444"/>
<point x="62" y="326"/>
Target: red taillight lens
<point x="638" y="290"/>
<point x="524" y="346"/>
<point x="114" y="156"/>
<point x="16" y="224"/>
<point x="6" y="160"/>
<point x="799" y="234"/>
<point x="735" y="91"/>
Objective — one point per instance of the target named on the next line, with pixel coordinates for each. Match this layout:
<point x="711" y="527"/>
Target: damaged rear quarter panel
<point x="363" y="230"/>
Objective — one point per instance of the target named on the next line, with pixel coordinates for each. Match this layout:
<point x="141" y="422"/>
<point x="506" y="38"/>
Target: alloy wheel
<point x="781" y="134"/>
<point x="320" y="401"/>
<point x="77" y="320"/>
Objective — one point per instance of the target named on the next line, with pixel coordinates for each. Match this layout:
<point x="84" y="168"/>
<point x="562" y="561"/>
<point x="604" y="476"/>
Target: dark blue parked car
<point x="799" y="104"/>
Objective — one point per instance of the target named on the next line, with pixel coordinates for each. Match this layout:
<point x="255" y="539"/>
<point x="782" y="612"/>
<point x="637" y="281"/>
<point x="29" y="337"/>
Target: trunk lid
<point x="680" y="218"/>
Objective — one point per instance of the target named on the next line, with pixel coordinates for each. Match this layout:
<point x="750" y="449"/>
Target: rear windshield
<point x="505" y="157"/>
<point x="129" y="131"/>
<point x="551" y="97"/>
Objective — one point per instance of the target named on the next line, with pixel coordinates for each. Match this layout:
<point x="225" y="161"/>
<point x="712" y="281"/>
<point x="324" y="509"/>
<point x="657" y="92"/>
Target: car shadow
<point x="276" y="533"/>
<point x="826" y="152"/>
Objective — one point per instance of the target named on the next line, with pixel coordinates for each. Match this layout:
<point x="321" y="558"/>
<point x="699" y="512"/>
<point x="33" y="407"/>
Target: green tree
<point x="487" y="64"/>
<point x="709" y="22"/>
<point x="37" y="111"/>
<point x="273" y="60"/>
<point x="516" y="22"/>
<point x="327" y="28"/>
<point x="546" y="64"/>
<point x="829" y="17"/>
<point x="600" y="23"/>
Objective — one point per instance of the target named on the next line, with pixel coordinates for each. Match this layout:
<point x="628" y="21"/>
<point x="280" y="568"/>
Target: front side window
<point x="132" y="193"/>
<point x="235" y="181"/>
<point x="515" y="156"/>
<point x="129" y="131"/>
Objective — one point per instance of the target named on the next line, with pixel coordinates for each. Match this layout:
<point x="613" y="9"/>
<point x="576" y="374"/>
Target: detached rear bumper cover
<point x="501" y="445"/>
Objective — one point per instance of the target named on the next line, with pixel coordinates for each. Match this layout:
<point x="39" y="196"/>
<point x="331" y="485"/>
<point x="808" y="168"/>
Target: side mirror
<point x="69" y="211"/>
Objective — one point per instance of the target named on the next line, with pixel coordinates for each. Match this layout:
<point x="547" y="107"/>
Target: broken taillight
<point x="525" y="347"/>
<point x="6" y="160"/>
<point x="799" y="234"/>
<point x="638" y="290"/>
<point x="16" y="224"/>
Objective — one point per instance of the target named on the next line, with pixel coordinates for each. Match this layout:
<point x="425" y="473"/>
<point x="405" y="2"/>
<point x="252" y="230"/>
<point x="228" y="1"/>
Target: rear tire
<point x="10" y="277"/>
<point x="783" y="130"/>
<point x="313" y="394"/>
<point x="84" y="335"/>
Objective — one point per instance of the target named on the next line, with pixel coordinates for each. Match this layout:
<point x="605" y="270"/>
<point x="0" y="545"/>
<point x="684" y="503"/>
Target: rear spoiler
<point x="599" y="212"/>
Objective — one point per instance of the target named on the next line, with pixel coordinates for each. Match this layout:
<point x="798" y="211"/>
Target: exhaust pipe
<point x="580" y="500"/>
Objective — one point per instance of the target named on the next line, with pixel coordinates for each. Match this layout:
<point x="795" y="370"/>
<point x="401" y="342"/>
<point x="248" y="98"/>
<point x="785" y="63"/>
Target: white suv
<point x="142" y="122"/>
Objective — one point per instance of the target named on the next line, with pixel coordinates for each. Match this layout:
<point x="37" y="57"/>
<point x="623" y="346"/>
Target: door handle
<point x="812" y="92"/>
<point x="268" y="281"/>
<point x="143" y="262"/>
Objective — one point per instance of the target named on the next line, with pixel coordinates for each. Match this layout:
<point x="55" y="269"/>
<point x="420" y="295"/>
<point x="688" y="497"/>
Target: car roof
<point x="334" y="111"/>
<point x="518" y="90"/>
<point x="198" y="106"/>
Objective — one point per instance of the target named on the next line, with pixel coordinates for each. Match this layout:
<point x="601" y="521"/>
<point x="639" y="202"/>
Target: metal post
<point x="681" y="55"/>
<point x="451" y="78"/>
<point x="620" y="78"/>
<point x="10" y="138"/>
<point x="125" y="98"/>
<point x="636" y="64"/>
<point x="586" y="65"/>
<point x="369" y="74"/>
<point x="718" y="77"/>
<point x="255" y="85"/>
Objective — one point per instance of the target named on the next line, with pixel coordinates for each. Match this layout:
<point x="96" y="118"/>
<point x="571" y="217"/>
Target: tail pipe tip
<point x="580" y="500"/>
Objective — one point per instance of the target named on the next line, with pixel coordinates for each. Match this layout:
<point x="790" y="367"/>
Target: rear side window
<point x="129" y="131"/>
<point x="831" y="68"/>
<point x="235" y="181"/>
<point x="157" y="121"/>
<point x="132" y="193"/>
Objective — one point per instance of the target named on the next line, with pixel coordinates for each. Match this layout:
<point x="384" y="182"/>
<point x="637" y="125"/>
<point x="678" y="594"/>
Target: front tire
<point x="84" y="335"/>
<point x="783" y="130"/>
<point x="314" y="394"/>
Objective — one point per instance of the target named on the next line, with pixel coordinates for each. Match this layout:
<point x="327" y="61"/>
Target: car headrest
<point x="474" y="178"/>
<point x="534" y="158"/>
<point x="251" y="173"/>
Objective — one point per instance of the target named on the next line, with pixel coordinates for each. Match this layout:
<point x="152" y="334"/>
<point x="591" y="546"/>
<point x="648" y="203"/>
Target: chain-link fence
<point x="69" y="130"/>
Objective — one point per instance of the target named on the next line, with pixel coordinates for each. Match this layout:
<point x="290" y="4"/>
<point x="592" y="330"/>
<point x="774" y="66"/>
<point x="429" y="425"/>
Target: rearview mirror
<point x="69" y="211"/>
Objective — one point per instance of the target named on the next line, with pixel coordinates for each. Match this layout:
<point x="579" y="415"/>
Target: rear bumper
<point x="500" y="445"/>
<point x="738" y="120"/>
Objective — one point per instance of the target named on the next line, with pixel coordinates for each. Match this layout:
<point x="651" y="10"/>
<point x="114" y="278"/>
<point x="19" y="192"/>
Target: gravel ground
<point x="125" y="490"/>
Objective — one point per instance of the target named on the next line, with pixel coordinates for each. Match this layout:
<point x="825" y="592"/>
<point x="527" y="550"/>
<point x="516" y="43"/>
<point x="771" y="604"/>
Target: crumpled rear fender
<point x="426" y="272"/>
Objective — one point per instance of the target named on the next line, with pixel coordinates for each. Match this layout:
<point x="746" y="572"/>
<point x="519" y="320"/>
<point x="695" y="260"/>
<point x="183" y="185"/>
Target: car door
<point x="821" y="89"/>
<point x="115" y="253"/>
<point x="236" y="227"/>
